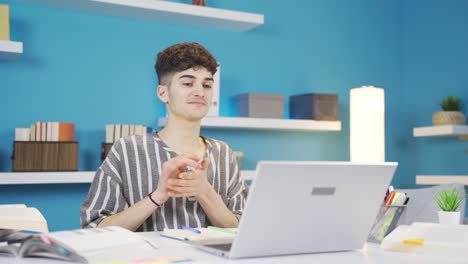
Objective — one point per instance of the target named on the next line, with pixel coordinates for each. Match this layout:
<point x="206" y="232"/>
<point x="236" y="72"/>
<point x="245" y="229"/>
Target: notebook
<point x="299" y="207"/>
<point x="210" y="233"/>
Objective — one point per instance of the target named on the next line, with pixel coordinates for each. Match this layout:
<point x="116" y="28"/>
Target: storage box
<point x="45" y="156"/>
<point x="260" y="105"/>
<point x="314" y="106"/>
<point x="105" y="148"/>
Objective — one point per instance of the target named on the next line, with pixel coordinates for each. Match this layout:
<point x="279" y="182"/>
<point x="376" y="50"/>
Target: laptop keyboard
<point x="224" y="247"/>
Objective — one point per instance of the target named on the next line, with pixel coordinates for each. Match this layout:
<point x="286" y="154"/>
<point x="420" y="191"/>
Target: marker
<point x="190" y="168"/>
<point x="188" y="228"/>
<point x="224" y="230"/>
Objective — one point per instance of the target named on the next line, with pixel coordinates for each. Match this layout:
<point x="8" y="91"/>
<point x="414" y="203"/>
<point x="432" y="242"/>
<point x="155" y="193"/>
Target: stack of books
<point x="116" y="131"/>
<point x="45" y="146"/>
<point x="47" y="132"/>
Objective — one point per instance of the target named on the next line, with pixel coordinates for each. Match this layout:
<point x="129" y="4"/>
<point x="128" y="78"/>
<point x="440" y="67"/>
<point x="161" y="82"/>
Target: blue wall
<point x="93" y="70"/>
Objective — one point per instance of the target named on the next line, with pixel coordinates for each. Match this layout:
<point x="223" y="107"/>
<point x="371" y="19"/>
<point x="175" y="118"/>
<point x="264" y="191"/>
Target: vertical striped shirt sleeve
<point x="105" y="196"/>
<point x="237" y="189"/>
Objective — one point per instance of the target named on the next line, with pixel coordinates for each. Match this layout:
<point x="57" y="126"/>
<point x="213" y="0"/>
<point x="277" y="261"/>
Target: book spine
<point x="66" y="132"/>
<point x="4" y="22"/>
<point x="109" y="133"/>
<point x="22" y="134"/>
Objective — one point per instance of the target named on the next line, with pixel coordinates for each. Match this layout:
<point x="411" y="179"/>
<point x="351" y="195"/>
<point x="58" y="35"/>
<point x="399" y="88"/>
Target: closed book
<point x="43" y="131"/>
<point x="117" y="132"/>
<point x="54" y="137"/>
<point x="205" y="234"/>
<point x="66" y="132"/>
<point x="32" y="136"/>
<point x="109" y="133"/>
<point x="125" y="131"/>
<point x="22" y="134"/>
<point x="4" y="22"/>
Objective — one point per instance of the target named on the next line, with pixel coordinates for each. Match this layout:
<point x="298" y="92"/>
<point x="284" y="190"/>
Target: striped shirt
<point x="132" y="170"/>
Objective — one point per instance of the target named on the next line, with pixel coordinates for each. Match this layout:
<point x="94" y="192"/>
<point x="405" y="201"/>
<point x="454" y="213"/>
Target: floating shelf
<point x="265" y="124"/>
<point x="9" y="178"/>
<point x="163" y="11"/>
<point x="442" y="131"/>
<point x="9" y="50"/>
<point x="441" y="179"/>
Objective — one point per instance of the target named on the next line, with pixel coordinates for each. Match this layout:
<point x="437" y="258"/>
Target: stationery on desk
<point x="387" y="218"/>
<point x="197" y="234"/>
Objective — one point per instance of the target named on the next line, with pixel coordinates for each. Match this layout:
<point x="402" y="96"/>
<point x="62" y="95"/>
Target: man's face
<point x="190" y="93"/>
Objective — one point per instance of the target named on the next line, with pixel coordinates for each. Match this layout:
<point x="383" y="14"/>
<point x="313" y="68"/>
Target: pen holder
<point x="385" y="222"/>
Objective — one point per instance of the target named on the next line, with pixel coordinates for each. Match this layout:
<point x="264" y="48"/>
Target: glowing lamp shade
<point x="367" y="124"/>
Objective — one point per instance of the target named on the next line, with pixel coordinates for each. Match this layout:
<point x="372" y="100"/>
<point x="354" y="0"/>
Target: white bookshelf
<point x="163" y="11"/>
<point x="265" y="124"/>
<point x="441" y="179"/>
<point x="10" y="178"/>
<point x="9" y="50"/>
<point x="46" y="177"/>
<point x="441" y="131"/>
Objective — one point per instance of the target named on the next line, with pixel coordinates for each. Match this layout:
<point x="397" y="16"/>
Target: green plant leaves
<point x="451" y="103"/>
<point x="449" y="201"/>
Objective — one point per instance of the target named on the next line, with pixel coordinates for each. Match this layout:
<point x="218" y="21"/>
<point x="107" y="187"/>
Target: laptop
<point x="298" y="207"/>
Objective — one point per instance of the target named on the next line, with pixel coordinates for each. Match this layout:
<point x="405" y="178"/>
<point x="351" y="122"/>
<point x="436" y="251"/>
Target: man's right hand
<point x="171" y="169"/>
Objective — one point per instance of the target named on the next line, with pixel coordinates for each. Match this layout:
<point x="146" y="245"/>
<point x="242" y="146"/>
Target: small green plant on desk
<point x="449" y="202"/>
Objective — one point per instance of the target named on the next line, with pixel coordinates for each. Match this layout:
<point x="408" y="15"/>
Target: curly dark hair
<point x="181" y="57"/>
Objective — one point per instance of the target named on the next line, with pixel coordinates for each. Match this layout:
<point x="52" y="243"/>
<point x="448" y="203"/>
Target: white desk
<point x="372" y="254"/>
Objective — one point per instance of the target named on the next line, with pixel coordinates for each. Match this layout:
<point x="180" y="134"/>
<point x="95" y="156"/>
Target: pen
<point x="190" y="168"/>
<point x="188" y="228"/>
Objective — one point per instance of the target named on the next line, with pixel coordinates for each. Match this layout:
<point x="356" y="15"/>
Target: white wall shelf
<point x="442" y="131"/>
<point x="9" y="50"/>
<point x="441" y="179"/>
<point x="163" y="11"/>
<point x="10" y="178"/>
<point x="265" y="124"/>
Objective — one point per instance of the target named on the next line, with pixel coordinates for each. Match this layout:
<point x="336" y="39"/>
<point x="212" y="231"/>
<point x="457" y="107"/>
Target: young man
<point x="174" y="177"/>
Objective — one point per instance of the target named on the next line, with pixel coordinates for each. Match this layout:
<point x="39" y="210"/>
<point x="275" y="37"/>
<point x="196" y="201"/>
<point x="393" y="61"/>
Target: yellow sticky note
<point x="414" y="241"/>
<point x="4" y="22"/>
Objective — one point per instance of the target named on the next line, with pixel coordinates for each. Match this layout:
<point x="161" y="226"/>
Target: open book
<point x="94" y="245"/>
<point x="20" y="217"/>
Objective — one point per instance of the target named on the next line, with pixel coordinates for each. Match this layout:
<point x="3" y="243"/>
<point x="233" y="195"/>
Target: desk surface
<point x="371" y="254"/>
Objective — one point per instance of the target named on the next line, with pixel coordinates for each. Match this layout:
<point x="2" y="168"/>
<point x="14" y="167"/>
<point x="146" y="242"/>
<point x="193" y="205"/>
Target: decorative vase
<point x="448" y="118"/>
<point x="449" y="218"/>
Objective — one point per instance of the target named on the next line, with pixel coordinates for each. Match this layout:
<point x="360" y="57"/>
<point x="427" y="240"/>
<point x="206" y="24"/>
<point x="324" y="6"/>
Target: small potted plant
<point x="451" y="114"/>
<point x="449" y="201"/>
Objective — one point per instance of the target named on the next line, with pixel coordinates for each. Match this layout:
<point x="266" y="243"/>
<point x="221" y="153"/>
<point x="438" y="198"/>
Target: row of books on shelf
<point x="117" y="131"/>
<point x="65" y="132"/>
<point x="47" y="132"/>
